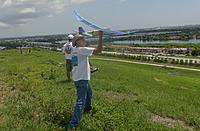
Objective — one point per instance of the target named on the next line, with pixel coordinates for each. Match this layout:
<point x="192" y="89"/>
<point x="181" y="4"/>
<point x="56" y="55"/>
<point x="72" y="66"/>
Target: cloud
<point x="80" y="1"/>
<point x="7" y="3"/>
<point x="27" y="10"/>
<point x="18" y="12"/>
<point x="122" y="1"/>
<point x="3" y="25"/>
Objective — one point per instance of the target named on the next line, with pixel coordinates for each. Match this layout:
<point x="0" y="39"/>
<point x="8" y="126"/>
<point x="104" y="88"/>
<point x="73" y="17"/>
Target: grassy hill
<point x="125" y="96"/>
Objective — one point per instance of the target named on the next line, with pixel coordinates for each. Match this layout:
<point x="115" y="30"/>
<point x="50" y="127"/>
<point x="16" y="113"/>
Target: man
<point x="67" y="51"/>
<point x="81" y="76"/>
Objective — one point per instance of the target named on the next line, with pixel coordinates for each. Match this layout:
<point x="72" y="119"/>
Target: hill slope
<point x="125" y="96"/>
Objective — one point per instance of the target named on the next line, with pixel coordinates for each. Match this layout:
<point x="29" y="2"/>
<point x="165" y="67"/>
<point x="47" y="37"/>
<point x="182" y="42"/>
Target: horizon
<point x="39" y="18"/>
<point x="12" y="37"/>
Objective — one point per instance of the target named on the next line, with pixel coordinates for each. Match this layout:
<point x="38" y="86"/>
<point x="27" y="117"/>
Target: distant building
<point x="179" y="51"/>
<point x="152" y="50"/>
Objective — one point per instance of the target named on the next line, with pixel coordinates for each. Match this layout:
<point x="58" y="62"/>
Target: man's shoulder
<point x="86" y="48"/>
<point x="86" y="51"/>
<point x="74" y="49"/>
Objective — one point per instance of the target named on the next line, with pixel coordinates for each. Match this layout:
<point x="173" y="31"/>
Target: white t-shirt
<point x="80" y="63"/>
<point x="67" y="50"/>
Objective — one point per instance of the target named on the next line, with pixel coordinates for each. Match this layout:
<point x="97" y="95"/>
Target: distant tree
<point x="195" y="52"/>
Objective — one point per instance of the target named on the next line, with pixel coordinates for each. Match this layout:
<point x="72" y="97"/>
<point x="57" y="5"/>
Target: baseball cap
<point x="70" y="36"/>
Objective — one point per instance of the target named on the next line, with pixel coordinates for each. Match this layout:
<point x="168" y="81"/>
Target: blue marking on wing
<point x="81" y="30"/>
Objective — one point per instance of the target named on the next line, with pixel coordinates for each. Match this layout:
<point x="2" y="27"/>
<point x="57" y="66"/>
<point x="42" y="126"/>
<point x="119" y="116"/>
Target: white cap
<point x="70" y="36"/>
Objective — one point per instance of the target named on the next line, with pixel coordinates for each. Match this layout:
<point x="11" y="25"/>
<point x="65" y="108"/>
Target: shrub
<point x="173" y="61"/>
<point x="181" y="62"/>
<point x="138" y="58"/>
<point x="195" y="53"/>
<point x="191" y="62"/>
<point x="165" y="60"/>
<point x="186" y="62"/>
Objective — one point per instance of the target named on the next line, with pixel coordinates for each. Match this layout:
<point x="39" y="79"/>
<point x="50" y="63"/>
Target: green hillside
<point x="125" y="96"/>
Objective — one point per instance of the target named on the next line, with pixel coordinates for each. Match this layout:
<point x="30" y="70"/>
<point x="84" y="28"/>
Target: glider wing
<point x="83" y="20"/>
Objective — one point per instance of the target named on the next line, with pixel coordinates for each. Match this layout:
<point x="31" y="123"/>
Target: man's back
<point x="67" y="48"/>
<point x="80" y="62"/>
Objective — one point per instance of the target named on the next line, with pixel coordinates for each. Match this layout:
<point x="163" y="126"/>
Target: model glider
<point x="96" y="27"/>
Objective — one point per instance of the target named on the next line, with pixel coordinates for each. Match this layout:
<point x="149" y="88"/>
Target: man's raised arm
<point x="100" y="44"/>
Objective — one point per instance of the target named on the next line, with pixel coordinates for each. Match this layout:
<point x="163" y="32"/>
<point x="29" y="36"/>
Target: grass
<point x="125" y="96"/>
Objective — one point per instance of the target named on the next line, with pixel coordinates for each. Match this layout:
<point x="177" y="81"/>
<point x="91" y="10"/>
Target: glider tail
<point x="81" y="30"/>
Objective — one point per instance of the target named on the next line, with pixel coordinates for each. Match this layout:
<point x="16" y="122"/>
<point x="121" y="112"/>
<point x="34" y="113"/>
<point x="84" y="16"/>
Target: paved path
<point x="165" y="57"/>
<point x="142" y="63"/>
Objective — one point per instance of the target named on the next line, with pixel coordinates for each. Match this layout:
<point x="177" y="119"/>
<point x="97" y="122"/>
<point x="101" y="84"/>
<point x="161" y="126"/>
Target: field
<point x="125" y="96"/>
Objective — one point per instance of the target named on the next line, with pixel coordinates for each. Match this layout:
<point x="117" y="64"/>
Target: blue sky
<point x="43" y="17"/>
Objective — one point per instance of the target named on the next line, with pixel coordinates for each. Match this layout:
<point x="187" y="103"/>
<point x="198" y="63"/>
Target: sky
<point x="43" y="17"/>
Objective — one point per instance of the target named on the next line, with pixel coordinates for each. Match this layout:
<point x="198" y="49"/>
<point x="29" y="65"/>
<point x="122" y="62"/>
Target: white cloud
<point x="122" y="1"/>
<point x="80" y="1"/>
<point x="7" y="3"/>
<point x="3" y="25"/>
<point x="27" y="10"/>
<point x="19" y="12"/>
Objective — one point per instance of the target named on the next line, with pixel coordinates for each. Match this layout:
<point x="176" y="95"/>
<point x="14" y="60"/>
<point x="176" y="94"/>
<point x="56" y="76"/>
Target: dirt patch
<point x="116" y="96"/>
<point x="184" y="88"/>
<point x="159" y="80"/>
<point x="170" y="122"/>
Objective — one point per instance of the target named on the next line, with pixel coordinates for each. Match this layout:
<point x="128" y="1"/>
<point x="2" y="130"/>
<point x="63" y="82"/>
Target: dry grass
<point x="3" y="93"/>
<point x="170" y="122"/>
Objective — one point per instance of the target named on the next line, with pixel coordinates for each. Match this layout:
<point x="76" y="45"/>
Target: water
<point x="158" y="42"/>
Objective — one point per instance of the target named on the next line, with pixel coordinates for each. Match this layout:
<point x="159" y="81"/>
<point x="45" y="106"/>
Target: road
<point x="191" y="60"/>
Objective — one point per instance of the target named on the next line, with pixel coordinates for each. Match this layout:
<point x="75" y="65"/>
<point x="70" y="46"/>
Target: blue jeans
<point x="83" y="103"/>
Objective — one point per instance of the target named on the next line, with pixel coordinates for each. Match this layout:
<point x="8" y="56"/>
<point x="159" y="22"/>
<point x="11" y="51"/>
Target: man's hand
<point x="100" y="33"/>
